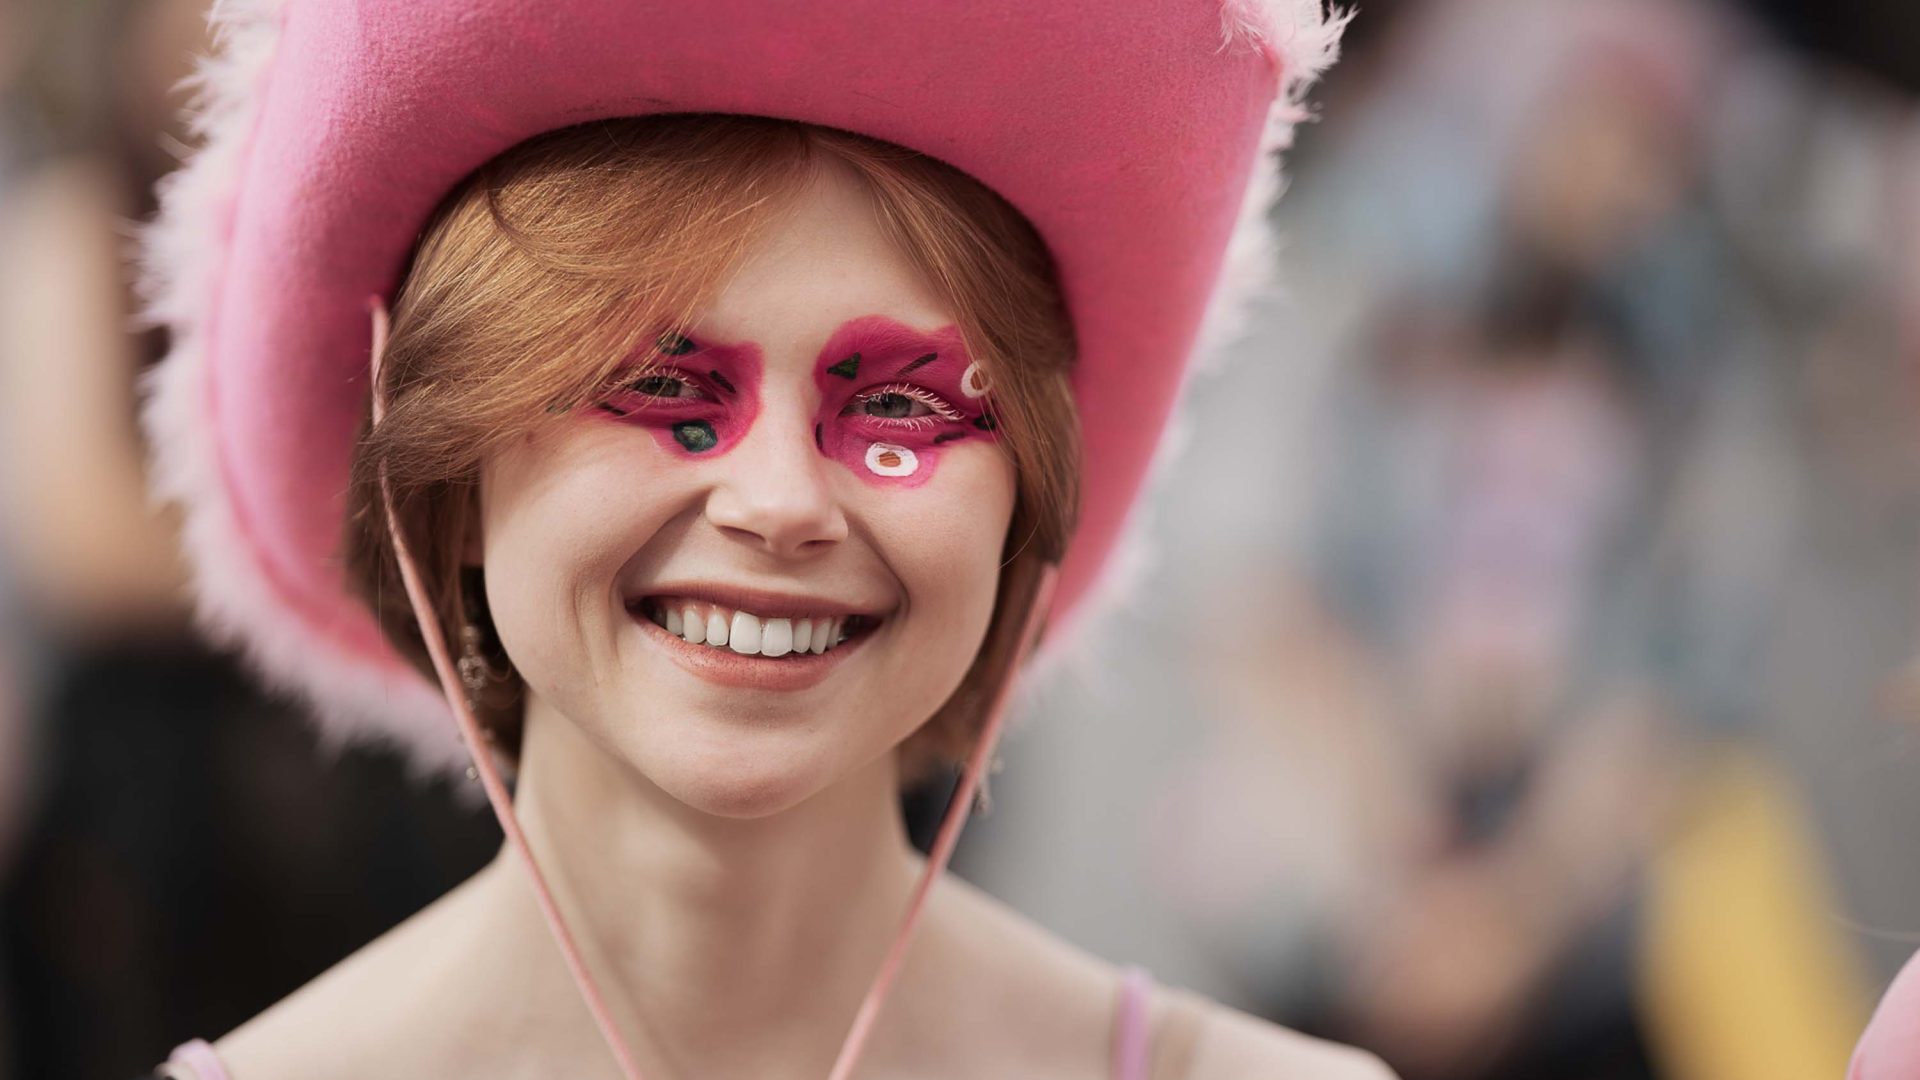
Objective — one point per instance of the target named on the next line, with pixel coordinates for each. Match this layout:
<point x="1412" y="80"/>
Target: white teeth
<point x="776" y="637"/>
<point x="749" y="634"/>
<point x="744" y="635"/>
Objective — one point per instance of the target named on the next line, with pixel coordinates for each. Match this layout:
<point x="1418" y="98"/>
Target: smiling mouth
<point x="701" y="622"/>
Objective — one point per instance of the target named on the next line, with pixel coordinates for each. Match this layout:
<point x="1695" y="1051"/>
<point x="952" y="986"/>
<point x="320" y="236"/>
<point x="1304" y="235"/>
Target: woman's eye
<point x="895" y="406"/>
<point x="664" y="386"/>
<point x="902" y="402"/>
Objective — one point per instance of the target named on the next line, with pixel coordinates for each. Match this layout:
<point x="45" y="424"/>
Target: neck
<point x="722" y="946"/>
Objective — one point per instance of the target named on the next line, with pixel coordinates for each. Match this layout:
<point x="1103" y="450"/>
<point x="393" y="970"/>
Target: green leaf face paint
<point x="697" y="436"/>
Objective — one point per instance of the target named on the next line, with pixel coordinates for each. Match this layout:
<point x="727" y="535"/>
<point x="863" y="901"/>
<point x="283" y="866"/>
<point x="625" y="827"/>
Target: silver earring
<point x="475" y="672"/>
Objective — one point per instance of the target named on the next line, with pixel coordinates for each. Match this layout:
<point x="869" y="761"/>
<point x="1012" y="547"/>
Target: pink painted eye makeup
<point x="892" y="398"/>
<point x="698" y="400"/>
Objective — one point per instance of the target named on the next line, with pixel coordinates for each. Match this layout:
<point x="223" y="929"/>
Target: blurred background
<point x="1523" y="683"/>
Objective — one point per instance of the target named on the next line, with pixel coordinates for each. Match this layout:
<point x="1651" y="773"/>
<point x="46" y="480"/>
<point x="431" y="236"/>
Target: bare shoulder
<point x="1232" y="1045"/>
<point x="1068" y="996"/>
<point x="310" y="1032"/>
<point x="352" y="1019"/>
<point x="318" y="1028"/>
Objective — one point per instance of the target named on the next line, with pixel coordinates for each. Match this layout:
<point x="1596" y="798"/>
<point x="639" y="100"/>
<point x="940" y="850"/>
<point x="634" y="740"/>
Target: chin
<point x="741" y="781"/>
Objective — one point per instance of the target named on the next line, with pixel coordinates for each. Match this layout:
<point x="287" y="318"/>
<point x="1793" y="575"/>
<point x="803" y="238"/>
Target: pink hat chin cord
<point x="956" y="816"/>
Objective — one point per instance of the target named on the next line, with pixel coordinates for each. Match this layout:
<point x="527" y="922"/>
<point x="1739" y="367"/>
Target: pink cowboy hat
<point x="1136" y="136"/>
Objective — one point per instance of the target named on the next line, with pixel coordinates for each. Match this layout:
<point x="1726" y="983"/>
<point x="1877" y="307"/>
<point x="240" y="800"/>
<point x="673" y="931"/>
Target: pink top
<point x="1890" y="1047"/>
<point x="1132" y="1036"/>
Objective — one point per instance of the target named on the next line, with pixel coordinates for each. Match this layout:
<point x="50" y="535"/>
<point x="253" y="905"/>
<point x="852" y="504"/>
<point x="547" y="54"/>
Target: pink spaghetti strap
<point x="488" y="772"/>
<point x="1131" y="1028"/>
<point x="198" y="1055"/>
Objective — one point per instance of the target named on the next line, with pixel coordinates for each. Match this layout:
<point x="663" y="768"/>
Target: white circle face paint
<point x="886" y="459"/>
<point x="973" y="382"/>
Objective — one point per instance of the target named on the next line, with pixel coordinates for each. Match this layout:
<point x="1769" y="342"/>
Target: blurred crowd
<point x="1522" y="687"/>
<point x="1523" y="683"/>
<point x="176" y="852"/>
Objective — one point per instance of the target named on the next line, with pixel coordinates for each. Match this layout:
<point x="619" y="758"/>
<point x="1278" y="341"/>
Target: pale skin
<point x="732" y="859"/>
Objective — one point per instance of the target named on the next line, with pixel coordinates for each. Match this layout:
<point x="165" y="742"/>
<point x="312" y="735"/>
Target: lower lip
<point x="721" y="665"/>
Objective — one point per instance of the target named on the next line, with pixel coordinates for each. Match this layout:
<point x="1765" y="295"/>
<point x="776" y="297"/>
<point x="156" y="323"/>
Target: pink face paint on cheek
<point x="874" y="364"/>
<point x="697" y="404"/>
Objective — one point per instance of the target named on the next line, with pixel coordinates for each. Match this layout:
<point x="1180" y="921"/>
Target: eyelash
<point x="632" y="385"/>
<point x="939" y="410"/>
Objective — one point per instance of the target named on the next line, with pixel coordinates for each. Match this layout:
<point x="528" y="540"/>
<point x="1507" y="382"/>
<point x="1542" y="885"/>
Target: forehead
<point x="822" y="262"/>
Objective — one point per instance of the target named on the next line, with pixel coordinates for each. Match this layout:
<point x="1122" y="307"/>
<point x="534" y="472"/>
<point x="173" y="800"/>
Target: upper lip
<point x="761" y="602"/>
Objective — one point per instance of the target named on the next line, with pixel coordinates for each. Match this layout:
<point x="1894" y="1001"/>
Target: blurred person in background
<point x="1490" y="537"/>
<point x="1730" y="642"/>
<point x="1674" y="938"/>
<point x="1534" y="770"/>
<point x="171" y="821"/>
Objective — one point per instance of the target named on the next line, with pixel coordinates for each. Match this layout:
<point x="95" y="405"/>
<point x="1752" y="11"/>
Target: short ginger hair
<point x="539" y="276"/>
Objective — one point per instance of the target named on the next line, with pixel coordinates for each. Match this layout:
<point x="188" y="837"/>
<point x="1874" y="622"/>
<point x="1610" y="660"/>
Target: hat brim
<point x="1131" y="135"/>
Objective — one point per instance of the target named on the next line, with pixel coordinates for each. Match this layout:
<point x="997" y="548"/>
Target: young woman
<point x="753" y="374"/>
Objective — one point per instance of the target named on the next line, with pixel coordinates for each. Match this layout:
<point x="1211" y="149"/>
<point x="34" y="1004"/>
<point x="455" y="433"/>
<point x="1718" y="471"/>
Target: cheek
<point x="560" y="518"/>
<point x="946" y="552"/>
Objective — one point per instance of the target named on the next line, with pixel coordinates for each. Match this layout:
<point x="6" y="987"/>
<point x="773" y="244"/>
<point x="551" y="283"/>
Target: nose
<point x="775" y="491"/>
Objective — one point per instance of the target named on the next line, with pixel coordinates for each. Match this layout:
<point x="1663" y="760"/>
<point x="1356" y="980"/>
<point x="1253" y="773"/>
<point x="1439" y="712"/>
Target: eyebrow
<point x="877" y="336"/>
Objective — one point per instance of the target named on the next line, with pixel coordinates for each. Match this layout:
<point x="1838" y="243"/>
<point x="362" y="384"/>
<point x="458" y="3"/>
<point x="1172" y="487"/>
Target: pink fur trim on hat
<point x="180" y="253"/>
<point x="1302" y="43"/>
